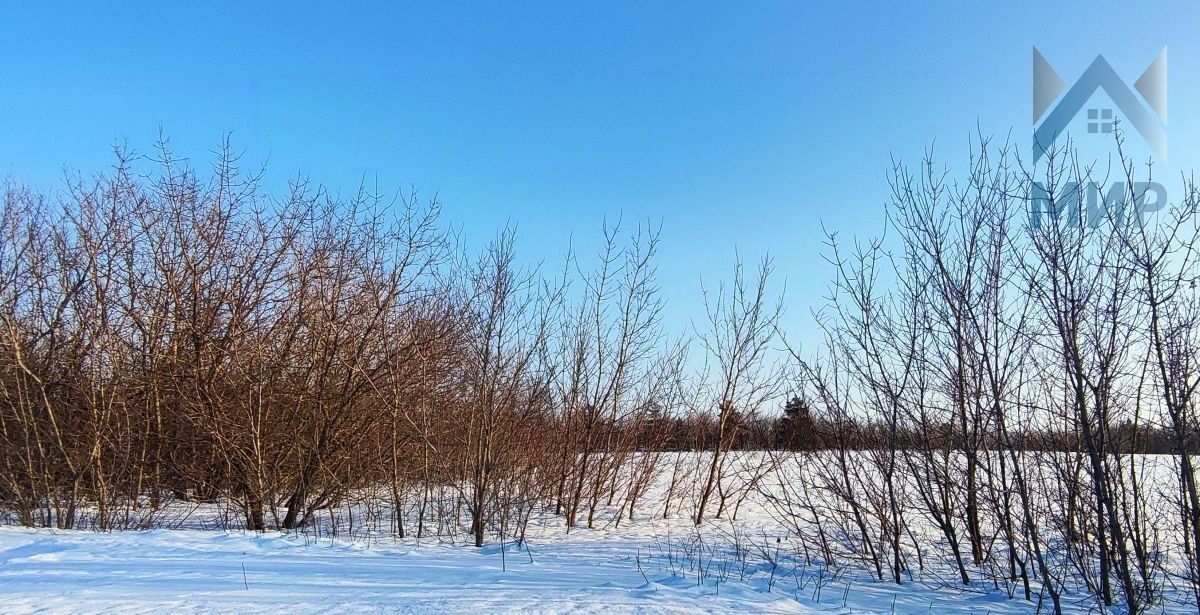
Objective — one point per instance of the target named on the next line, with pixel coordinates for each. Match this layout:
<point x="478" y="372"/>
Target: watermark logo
<point x="1145" y="117"/>
<point x="1089" y="204"/>
<point x="1092" y="204"/>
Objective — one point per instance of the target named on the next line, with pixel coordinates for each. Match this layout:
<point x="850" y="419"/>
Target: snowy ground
<point x="183" y="571"/>
<point x="352" y="563"/>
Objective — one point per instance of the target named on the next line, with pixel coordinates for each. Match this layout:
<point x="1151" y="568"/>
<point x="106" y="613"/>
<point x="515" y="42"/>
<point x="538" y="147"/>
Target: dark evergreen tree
<point x="796" y="428"/>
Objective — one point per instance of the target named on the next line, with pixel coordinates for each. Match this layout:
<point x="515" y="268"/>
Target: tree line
<point x="1009" y="349"/>
<point x="172" y="334"/>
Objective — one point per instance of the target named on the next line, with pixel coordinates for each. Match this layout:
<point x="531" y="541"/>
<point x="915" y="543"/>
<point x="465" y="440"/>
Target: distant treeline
<point x="797" y="430"/>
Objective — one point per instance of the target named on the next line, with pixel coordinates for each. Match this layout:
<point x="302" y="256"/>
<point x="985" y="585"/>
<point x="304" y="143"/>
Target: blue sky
<point x="736" y="126"/>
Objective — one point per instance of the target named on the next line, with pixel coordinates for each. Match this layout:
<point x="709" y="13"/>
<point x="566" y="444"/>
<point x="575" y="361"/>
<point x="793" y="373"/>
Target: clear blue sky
<point x="735" y="126"/>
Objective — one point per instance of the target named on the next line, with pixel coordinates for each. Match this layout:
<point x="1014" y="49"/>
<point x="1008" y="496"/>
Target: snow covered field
<point x="650" y="565"/>
<point x="189" y="571"/>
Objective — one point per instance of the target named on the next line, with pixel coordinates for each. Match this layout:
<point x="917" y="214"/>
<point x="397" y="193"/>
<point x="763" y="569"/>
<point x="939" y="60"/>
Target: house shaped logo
<point x="1148" y="117"/>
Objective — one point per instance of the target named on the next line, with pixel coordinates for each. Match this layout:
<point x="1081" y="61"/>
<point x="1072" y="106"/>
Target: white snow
<point x="650" y="565"/>
<point x="192" y="571"/>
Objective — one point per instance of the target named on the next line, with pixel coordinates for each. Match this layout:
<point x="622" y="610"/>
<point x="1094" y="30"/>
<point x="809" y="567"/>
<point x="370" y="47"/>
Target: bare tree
<point x="741" y="325"/>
